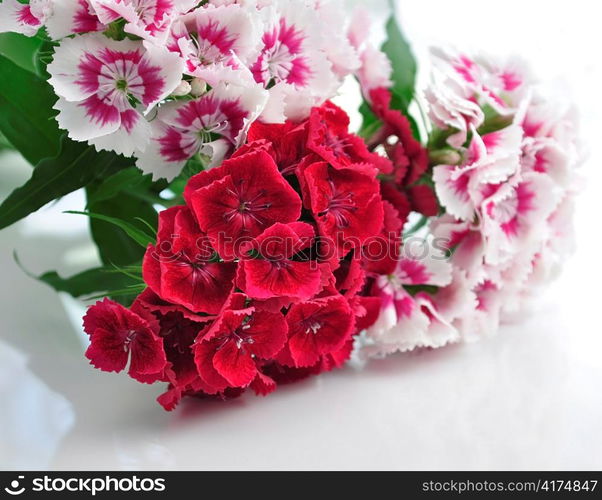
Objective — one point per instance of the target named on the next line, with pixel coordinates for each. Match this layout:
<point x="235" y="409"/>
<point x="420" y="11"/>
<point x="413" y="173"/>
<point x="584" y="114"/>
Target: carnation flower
<point x="317" y="328"/>
<point x="212" y="125"/>
<point x="117" y="336"/>
<point x="182" y="267"/>
<point x="148" y="19"/>
<point x="345" y="202"/>
<point x="500" y="84"/>
<point x="216" y="41"/>
<point x="22" y="18"/>
<point x="492" y="158"/>
<point x="237" y="201"/>
<point x="274" y="272"/>
<point x="105" y="87"/>
<point x="69" y="17"/>
<point x="291" y="62"/>
<point x="228" y="353"/>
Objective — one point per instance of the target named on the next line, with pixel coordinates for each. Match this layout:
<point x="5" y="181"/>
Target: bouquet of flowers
<point x="248" y="237"/>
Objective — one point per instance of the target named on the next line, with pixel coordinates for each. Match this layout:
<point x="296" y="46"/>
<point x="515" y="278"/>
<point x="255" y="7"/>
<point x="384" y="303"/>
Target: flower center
<point x="339" y="206"/>
<point x="121" y="85"/>
<point x="311" y="325"/>
<point x="130" y="336"/>
<point x="336" y="144"/>
<point x="247" y="209"/>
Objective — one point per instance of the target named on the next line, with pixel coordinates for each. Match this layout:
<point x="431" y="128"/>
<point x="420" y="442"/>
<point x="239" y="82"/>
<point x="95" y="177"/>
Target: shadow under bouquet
<point x="248" y="236"/>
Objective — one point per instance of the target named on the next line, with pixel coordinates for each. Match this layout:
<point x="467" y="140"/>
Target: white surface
<point x="528" y="398"/>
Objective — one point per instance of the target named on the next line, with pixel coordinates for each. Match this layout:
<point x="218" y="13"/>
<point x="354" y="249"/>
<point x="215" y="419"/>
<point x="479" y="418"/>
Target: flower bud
<point x="182" y="89"/>
<point x="198" y="87"/>
<point x="445" y="157"/>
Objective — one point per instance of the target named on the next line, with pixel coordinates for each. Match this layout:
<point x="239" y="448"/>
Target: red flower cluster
<point x="261" y="277"/>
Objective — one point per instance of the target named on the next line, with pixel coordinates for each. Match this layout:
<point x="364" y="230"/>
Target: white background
<point x="528" y="398"/>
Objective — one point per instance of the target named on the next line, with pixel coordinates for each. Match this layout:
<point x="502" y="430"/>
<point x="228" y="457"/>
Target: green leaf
<point x="43" y="57"/>
<point x="128" y="180"/>
<point x="20" y="49"/>
<point x="26" y="114"/>
<point x="370" y="123"/>
<point x="93" y="281"/>
<point x="138" y="235"/>
<point x="402" y="61"/>
<point x="76" y="165"/>
<point x="114" y="244"/>
<point x="415" y="289"/>
<point x="494" y="121"/>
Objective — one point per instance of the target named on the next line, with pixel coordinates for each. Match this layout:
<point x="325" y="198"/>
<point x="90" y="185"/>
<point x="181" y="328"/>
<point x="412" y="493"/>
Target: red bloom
<point x="317" y="328"/>
<point x="236" y="202"/>
<point x="381" y="253"/>
<point x="367" y="311"/>
<point x="423" y="199"/>
<point x="330" y="139"/>
<point x="230" y="351"/>
<point x="182" y="268"/>
<point x="346" y="204"/>
<point x="408" y="154"/>
<point x="287" y="143"/>
<point x="119" y="335"/>
<point x="275" y="272"/>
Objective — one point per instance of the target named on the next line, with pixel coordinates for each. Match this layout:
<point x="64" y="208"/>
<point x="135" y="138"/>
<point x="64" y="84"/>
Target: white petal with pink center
<point x="291" y="59"/>
<point x="105" y="86"/>
<point x="70" y="17"/>
<point x="181" y="129"/>
<point x="22" y="18"/>
<point x="494" y="157"/>
<point x="406" y="323"/>
<point x="515" y="214"/>
<point x="421" y="263"/>
<point x="228" y="36"/>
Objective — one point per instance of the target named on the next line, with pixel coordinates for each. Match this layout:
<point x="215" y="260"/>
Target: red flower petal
<point x="263" y="385"/>
<point x="269" y="332"/>
<point x="235" y="365"/>
<point x="116" y="333"/>
<point x="346" y="204"/>
<point x="179" y="267"/>
<point x="274" y="273"/>
<point x="318" y="327"/>
<point x="244" y="197"/>
<point x="203" y="358"/>
<point x="329" y="138"/>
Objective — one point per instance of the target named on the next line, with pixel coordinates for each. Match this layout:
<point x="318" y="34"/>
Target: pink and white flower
<point x="492" y="158"/>
<point x="374" y="69"/>
<point x="105" y="87"/>
<point x="24" y="18"/>
<point x="501" y="84"/>
<point x="71" y="17"/>
<point x="216" y="43"/>
<point x="291" y="62"/>
<point x="211" y="125"/>
<point x="405" y="321"/>
<point x="514" y="215"/>
<point x="148" y="19"/>
<point x="452" y="105"/>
